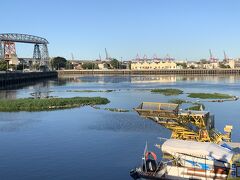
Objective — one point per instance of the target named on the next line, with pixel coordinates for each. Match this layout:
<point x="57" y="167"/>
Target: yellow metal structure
<point x="186" y="125"/>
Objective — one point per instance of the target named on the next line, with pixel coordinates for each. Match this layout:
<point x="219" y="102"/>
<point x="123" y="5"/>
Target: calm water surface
<point x="85" y="143"/>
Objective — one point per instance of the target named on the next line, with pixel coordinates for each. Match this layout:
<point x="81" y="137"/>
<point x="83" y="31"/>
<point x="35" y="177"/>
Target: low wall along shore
<point x="12" y="79"/>
<point x="152" y="72"/>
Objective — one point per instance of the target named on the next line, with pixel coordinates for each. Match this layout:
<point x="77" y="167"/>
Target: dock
<point x="151" y="72"/>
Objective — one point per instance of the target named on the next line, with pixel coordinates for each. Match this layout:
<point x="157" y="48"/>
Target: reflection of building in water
<point x="210" y="78"/>
<point x="8" y="94"/>
<point x="153" y="79"/>
<point x="40" y="90"/>
<point x="69" y="78"/>
<point x="232" y="79"/>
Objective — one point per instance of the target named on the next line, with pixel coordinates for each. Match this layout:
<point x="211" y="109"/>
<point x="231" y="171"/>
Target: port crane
<point x="212" y="58"/>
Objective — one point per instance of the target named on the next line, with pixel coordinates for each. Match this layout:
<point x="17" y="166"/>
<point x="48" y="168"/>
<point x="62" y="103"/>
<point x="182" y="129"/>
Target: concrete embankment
<point x="152" y="72"/>
<point x="12" y="79"/>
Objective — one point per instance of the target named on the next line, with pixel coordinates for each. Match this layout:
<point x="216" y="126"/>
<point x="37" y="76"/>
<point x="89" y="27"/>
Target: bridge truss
<point x="8" y="49"/>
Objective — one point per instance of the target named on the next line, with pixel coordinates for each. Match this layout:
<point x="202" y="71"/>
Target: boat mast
<point x="144" y="157"/>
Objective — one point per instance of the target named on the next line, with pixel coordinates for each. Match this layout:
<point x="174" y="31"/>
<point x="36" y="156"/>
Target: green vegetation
<point x="37" y="66"/>
<point x="204" y="61"/>
<point x="29" y="104"/>
<point x="89" y="65"/>
<point x="21" y="67"/>
<point x="196" y="107"/>
<point x="109" y="90"/>
<point x="210" y="96"/>
<point x="178" y="101"/>
<point x="168" y="92"/>
<point x="69" y="65"/>
<point x="3" y="65"/>
<point x="115" y="63"/>
<point x="58" y="63"/>
<point x="222" y="65"/>
<point x="184" y="65"/>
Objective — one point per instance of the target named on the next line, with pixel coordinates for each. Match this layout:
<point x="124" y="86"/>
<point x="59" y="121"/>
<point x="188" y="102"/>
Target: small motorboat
<point x="190" y="160"/>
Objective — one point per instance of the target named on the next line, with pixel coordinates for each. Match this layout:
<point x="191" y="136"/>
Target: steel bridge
<point x="8" y="49"/>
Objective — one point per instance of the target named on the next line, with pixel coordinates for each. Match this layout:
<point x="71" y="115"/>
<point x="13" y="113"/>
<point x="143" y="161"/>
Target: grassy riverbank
<point x="167" y="92"/>
<point x="29" y="104"/>
<point x="210" y="96"/>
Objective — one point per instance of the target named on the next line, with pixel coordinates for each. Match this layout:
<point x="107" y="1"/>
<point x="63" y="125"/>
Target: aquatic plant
<point x="210" y="96"/>
<point x="196" y="107"/>
<point x="178" y="101"/>
<point x="167" y="92"/>
<point x="30" y="104"/>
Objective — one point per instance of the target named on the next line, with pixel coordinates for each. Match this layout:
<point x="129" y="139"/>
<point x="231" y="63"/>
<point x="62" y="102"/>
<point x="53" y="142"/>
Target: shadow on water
<point x="128" y="122"/>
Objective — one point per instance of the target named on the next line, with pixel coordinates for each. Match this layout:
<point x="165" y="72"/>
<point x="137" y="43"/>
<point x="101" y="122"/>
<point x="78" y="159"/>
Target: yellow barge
<point x="185" y="125"/>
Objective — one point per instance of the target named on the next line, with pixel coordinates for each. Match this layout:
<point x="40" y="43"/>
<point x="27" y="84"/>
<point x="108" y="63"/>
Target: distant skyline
<point x="184" y="29"/>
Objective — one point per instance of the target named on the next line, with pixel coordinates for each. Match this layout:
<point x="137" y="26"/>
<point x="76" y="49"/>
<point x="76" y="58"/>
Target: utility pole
<point x="225" y="56"/>
<point x="211" y="56"/>
<point x="107" y="57"/>
<point x="121" y="63"/>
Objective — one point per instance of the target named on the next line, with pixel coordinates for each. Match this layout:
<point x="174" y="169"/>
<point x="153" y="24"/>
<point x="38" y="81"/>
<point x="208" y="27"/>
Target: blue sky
<point x="185" y="29"/>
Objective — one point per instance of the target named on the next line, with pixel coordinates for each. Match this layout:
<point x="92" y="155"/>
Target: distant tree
<point x="21" y="67"/>
<point x="89" y="65"/>
<point x="129" y="65"/>
<point x="69" y="65"/>
<point x="204" y="61"/>
<point x="123" y="66"/>
<point x="13" y="67"/>
<point x="58" y="63"/>
<point x="36" y="66"/>
<point x="3" y="65"/>
<point x="222" y="65"/>
<point x="184" y="65"/>
<point x="192" y="67"/>
<point x="115" y="63"/>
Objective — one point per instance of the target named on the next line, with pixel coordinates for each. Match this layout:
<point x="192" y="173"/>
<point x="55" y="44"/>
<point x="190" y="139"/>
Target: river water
<point x="88" y="143"/>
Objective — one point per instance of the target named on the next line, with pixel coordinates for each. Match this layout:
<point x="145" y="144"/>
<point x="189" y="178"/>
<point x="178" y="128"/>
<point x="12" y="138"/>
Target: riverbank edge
<point x="17" y="79"/>
<point x="151" y="72"/>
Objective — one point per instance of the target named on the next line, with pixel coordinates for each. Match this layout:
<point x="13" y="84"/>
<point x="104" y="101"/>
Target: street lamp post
<point x="121" y="61"/>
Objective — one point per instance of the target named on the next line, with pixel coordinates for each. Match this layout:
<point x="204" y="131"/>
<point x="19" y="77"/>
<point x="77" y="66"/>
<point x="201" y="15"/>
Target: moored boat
<point x="190" y="160"/>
